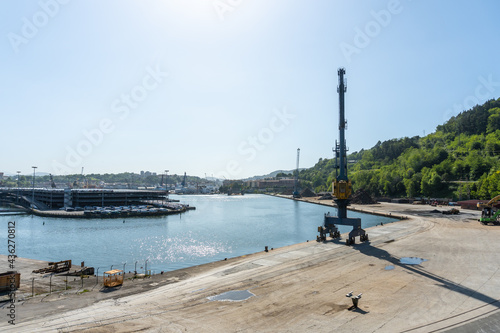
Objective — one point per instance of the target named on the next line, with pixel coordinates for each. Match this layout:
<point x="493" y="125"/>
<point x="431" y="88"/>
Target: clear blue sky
<point x="231" y="88"/>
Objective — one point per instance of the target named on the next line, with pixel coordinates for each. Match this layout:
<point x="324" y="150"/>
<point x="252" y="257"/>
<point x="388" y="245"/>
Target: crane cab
<point x="342" y="189"/>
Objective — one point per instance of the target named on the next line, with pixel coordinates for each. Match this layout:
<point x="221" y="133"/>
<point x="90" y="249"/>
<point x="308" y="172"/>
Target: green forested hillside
<point x="459" y="160"/>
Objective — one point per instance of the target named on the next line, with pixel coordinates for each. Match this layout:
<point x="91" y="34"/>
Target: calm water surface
<point x="221" y="227"/>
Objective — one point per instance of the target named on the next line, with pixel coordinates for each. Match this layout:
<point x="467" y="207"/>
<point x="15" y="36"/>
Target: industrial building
<point x="43" y="199"/>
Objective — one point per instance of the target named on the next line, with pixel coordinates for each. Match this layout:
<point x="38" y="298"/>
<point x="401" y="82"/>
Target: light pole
<point x="33" y="196"/>
<point x="18" y="172"/>
<point x="135" y="268"/>
<point x="166" y="185"/>
<point x="146" y="267"/>
<point x="124" y="269"/>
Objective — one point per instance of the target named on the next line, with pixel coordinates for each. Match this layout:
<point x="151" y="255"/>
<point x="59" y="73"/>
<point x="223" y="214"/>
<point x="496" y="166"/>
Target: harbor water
<point x="221" y="227"/>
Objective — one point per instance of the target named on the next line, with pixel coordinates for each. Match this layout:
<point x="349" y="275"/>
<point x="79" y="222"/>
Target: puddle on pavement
<point x="389" y="267"/>
<point x="233" y="296"/>
<point x="411" y="260"/>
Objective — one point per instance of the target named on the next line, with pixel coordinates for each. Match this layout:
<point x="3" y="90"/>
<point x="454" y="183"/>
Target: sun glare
<point x="191" y="10"/>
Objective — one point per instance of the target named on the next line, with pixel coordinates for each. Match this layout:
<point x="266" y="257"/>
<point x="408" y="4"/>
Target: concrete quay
<point x="302" y="287"/>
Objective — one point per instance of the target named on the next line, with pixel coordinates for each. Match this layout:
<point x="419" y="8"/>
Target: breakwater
<point x="105" y="214"/>
<point x="114" y="212"/>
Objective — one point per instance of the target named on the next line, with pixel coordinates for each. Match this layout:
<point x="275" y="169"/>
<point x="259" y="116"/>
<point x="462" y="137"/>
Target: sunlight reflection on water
<point x="178" y="249"/>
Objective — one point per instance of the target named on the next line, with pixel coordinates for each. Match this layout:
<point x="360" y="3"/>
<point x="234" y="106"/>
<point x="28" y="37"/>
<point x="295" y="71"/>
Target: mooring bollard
<point x="354" y="299"/>
<point x="266" y="249"/>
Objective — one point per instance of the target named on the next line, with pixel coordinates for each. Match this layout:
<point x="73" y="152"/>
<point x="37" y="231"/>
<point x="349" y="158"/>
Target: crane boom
<point x="489" y="203"/>
<point x="296" y="193"/>
<point x="184" y="180"/>
<point x="495" y="199"/>
<point x="52" y="183"/>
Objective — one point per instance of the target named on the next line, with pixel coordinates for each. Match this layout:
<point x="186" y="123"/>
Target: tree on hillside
<point x="473" y="121"/>
<point x="284" y="175"/>
<point x="493" y="120"/>
<point x="432" y="184"/>
<point x="412" y="185"/>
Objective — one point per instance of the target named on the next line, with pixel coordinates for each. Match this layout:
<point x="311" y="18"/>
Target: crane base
<point x="330" y="227"/>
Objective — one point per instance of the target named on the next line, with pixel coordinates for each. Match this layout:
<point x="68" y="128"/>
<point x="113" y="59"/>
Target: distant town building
<point x="272" y="184"/>
<point x="147" y="173"/>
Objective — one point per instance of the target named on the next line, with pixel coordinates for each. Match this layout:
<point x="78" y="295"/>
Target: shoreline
<point x="354" y="208"/>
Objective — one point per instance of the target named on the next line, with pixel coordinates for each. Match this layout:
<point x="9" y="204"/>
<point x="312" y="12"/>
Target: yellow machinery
<point x="9" y="280"/>
<point x="489" y="203"/>
<point x="113" y="278"/>
<point x="488" y="214"/>
<point x="342" y="189"/>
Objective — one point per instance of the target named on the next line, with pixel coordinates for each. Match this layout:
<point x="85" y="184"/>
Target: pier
<point x="42" y="198"/>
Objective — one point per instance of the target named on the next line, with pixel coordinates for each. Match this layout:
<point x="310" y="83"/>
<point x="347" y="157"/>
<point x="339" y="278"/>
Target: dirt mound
<point x="326" y="196"/>
<point x="361" y="197"/>
<point x="307" y="193"/>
